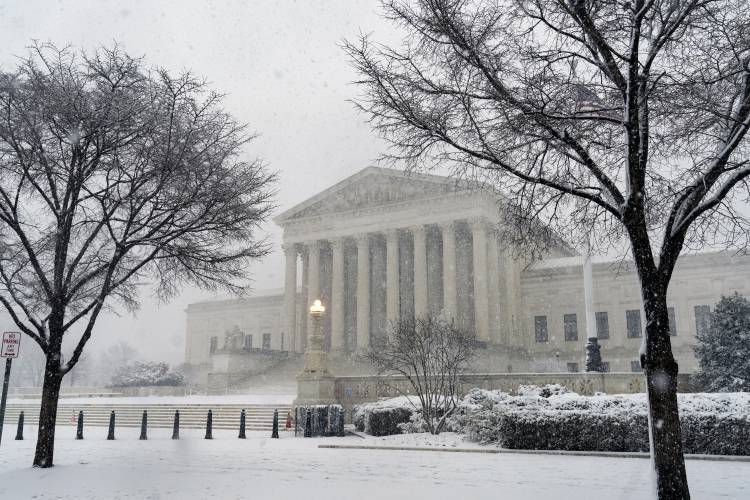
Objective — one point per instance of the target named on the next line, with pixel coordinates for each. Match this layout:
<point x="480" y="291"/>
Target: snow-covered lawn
<point x="289" y="468"/>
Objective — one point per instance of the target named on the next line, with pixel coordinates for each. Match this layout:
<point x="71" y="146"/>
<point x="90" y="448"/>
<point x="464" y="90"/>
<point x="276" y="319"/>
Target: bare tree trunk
<point x="45" y="444"/>
<point x="661" y="370"/>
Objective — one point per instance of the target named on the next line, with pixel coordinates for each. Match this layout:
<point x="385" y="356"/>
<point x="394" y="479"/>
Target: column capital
<point x="290" y="248"/>
<point x="392" y="232"/>
<point x="336" y="242"/>
<point x="362" y="238"/>
<point x="448" y="225"/>
<point x="312" y="244"/>
<point x="418" y="228"/>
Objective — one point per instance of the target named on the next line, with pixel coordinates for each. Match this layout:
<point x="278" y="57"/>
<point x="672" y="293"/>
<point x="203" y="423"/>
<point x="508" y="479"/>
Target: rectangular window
<point x="570" y="325"/>
<point x="267" y="341"/>
<point x="633" y="320"/>
<point x="540" y="328"/>
<point x="702" y="315"/>
<point x="635" y="366"/>
<point x="248" y="343"/>
<point x="602" y="325"/>
<point x="213" y="344"/>
<point x="672" y="322"/>
<point x="605" y="366"/>
<point x="572" y="367"/>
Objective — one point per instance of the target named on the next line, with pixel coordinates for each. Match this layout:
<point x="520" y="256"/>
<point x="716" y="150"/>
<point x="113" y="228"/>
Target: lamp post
<point x="316" y="359"/>
<point x="315" y="385"/>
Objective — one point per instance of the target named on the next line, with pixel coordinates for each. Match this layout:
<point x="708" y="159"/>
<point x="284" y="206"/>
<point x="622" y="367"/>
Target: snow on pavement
<point x="287" y="468"/>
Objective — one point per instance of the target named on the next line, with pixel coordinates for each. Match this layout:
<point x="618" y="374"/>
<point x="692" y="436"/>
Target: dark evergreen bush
<point x="324" y="419"/>
<point x="385" y="421"/>
<point x="570" y="431"/>
<point x="716" y="434"/>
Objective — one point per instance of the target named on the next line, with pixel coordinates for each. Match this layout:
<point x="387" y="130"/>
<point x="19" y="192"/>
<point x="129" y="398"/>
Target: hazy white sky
<point x="283" y="70"/>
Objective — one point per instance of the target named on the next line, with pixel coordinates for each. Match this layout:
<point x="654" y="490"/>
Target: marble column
<point x="493" y="283"/>
<point x="450" y="308"/>
<point x="479" y="259"/>
<point x="290" y="295"/>
<point x="392" y="302"/>
<point x="313" y="279"/>
<point x="363" y="292"/>
<point x="304" y="299"/>
<point x="420" y="271"/>
<point x="337" y="296"/>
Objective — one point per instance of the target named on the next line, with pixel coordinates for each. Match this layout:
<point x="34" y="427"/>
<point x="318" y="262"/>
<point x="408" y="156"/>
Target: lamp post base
<point x="314" y="389"/>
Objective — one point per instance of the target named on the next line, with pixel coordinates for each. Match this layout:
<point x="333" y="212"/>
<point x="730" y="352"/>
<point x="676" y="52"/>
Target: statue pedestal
<point x="315" y="390"/>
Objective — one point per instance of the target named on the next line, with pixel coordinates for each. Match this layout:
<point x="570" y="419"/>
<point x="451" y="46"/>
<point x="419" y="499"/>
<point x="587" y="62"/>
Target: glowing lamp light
<point x="317" y="308"/>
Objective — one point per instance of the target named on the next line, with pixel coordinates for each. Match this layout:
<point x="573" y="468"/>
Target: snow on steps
<point x="192" y="416"/>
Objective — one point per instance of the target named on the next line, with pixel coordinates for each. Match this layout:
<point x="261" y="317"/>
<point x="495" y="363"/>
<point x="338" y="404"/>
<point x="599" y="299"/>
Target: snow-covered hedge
<point x="384" y="417"/>
<point x="146" y="374"/>
<point x="553" y="418"/>
<point x="711" y="423"/>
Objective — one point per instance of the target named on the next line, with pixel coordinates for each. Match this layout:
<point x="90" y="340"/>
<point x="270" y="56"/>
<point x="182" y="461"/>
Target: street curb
<point x="612" y="454"/>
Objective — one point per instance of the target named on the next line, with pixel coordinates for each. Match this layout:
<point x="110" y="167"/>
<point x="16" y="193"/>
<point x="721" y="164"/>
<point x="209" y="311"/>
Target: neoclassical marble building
<point x="383" y="244"/>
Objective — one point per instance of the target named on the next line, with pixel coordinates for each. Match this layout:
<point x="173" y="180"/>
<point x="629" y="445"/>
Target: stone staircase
<point x="258" y="417"/>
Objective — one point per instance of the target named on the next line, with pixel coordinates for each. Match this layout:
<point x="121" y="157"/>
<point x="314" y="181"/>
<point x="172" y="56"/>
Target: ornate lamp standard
<point x="316" y="359"/>
<point x="315" y="385"/>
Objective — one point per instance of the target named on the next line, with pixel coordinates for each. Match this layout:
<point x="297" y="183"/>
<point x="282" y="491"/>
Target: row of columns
<point x="486" y="281"/>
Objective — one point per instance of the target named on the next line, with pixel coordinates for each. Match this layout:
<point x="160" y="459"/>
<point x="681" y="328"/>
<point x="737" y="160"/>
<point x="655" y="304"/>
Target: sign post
<point x="10" y="346"/>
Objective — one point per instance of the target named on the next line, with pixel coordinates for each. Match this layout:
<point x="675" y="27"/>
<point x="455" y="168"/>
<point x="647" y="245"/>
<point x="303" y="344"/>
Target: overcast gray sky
<point x="285" y="75"/>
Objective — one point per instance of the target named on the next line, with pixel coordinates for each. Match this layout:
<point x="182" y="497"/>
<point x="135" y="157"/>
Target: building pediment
<point x="370" y="188"/>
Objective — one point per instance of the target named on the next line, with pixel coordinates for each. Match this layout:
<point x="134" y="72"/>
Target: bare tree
<point x="623" y="121"/>
<point x="113" y="174"/>
<point x="431" y="354"/>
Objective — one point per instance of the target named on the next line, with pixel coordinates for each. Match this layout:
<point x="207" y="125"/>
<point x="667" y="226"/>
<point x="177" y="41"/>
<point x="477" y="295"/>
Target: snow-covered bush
<point x="711" y="423"/>
<point x="384" y="417"/>
<point x="544" y="391"/>
<point x="146" y="374"/>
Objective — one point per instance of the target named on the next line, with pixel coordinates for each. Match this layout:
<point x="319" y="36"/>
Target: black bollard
<point x="209" y="424"/>
<point x="176" y="425"/>
<point x="79" y="430"/>
<point x="308" y="423"/>
<point x="144" y="425"/>
<point x="19" y="432"/>
<point x="275" y="430"/>
<point x="340" y="429"/>
<point x="242" y="425"/>
<point x="111" y="434"/>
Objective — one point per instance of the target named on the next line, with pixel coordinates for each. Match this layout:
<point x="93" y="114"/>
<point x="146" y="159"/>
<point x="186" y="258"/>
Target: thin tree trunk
<point x="661" y="379"/>
<point x="45" y="444"/>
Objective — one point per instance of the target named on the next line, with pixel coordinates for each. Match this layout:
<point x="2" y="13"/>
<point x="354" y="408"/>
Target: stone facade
<point x="383" y="244"/>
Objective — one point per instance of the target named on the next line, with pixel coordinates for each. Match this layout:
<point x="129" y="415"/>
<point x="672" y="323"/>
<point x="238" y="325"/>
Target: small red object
<point x="288" y="420"/>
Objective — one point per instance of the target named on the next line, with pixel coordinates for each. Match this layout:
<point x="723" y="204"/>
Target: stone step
<point x="258" y="417"/>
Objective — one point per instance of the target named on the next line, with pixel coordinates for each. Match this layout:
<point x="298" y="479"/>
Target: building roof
<point x="374" y="186"/>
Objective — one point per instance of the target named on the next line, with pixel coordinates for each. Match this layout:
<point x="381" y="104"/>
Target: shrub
<point x="711" y="423"/>
<point x="140" y="374"/>
<point x="325" y="420"/>
<point x="383" y="418"/>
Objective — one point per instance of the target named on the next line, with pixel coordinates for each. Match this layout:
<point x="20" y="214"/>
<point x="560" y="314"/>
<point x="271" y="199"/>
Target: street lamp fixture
<point x="317" y="309"/>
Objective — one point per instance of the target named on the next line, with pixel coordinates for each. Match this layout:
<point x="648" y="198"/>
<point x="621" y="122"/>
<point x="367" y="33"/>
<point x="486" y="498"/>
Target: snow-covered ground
<point x="289" y="468"/>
